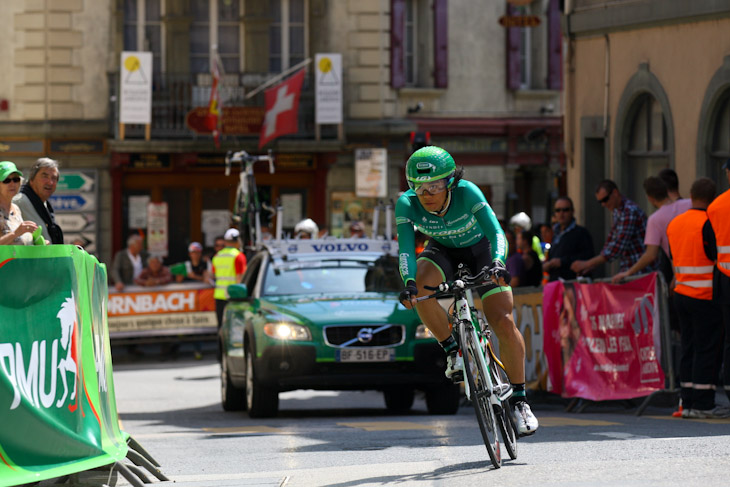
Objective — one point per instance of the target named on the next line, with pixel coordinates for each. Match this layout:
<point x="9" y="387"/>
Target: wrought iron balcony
<point x="174" y="97"/>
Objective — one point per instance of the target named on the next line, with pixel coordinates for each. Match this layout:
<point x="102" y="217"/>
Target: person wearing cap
<point x="33" y="199"/>
<point x="717" y="236"/>
<point x="13" y="229"/>
<point x="357" y="230"/>
<point x="229" y="264"/>
<point x="197" y="268"/>
<point x="306" y="229"/>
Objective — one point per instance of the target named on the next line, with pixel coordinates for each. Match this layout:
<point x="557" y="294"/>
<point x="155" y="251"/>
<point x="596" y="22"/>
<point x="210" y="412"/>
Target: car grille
<point x="364" y="336"/>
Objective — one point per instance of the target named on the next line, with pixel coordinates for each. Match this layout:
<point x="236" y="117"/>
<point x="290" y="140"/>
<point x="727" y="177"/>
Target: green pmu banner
<point x="57" y="403"/>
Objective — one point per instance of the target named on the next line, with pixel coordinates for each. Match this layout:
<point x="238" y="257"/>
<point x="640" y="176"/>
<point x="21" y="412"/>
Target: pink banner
<point x="599" y="339"/>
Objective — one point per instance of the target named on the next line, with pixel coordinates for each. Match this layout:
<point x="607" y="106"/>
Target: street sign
<point x="73" y="202"/>
<point x="75" y="222"/>
<point x="74" y="181"/>
<point x="85" y="239"/>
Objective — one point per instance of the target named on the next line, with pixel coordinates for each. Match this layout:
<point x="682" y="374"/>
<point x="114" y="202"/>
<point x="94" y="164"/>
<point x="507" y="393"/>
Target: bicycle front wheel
<point x="480" y="390"/>
<point x="503" y="413"/>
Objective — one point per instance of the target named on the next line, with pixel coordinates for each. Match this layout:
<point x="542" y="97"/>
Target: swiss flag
<point x="282" y="108"/>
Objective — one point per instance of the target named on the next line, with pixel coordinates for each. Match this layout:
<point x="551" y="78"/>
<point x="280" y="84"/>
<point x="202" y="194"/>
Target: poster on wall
<point x="214" y="223"/>
<point x="371" y="173"/>
<point x="328" y="88"/>
<point x="135" y="88"/>
<point x="346" y="207"/>
<point x="157" y="229"/>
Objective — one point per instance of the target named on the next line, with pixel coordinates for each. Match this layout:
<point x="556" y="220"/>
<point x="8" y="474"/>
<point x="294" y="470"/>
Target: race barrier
<point x="607" y="342"/>
<point x="186" y="308"/>
<point x="57" y="400"/>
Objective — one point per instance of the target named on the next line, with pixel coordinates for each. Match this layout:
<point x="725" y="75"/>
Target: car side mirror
<point x="237" y="292"/>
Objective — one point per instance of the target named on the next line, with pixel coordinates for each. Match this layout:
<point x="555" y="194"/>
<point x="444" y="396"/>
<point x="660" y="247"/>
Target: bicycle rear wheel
<point x="504" y="417"/>
<point x="479" y="390"/>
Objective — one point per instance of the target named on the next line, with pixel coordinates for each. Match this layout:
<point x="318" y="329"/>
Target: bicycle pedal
<point x="457" y="377"/>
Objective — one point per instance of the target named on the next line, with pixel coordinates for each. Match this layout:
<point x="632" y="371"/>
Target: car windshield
<point x="333" y="276"/>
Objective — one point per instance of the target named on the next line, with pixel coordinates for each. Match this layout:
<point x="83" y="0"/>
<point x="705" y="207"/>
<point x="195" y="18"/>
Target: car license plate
<point x="366" y="355"/>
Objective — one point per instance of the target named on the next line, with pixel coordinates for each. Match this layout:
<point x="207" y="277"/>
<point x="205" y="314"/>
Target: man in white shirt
<point x="128" y="263"/>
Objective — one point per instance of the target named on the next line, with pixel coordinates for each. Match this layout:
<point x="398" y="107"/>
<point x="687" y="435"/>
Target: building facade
<point x="489" y="94"/>
<point x="647" y="87"/>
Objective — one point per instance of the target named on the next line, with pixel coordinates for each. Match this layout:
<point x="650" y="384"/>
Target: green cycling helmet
<point x="430" y="164"/>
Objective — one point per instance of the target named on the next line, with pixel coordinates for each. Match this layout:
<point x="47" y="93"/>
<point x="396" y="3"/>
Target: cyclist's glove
<point x="410" y="291"/>
<point x="497" y="270"/>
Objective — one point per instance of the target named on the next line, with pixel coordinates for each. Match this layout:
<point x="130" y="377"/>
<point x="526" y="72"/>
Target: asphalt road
<point x="344" y="439"/>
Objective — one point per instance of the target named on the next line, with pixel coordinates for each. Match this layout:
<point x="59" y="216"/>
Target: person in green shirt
<point x="461" y="229"/>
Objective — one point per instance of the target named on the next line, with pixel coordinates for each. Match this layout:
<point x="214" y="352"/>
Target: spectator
<point x="570" y="242"/>
<point x="155" y="274"/>
<point x="306" y="229"/>
<point x="514" y="263"/>
<point x="521" y="221"/>
<point x="219" y="244"/>
<point x="546" y="237"/>
<point x="655" y="239"/>
<point x="228" y="267"/>
<point x="128" y="263"/>
<point x="626" y="239"/>
<point x="532" y="270"/>
<point x="717" y="235"/>
<point x="671" y="179"/>
<point x="700" y="318"/>
<point x="33" y="198"/>
<point x="13" y="230"/>
<point x="357" y="229"/>
<point x="197" y="268"/>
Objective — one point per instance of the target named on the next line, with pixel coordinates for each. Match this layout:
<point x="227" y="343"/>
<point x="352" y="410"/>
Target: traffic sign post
<point x="75" y="206"/>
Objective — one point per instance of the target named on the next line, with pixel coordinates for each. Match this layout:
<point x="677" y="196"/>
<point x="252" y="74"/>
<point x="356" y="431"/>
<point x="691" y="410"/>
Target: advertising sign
<point x="157" y="228"/>
<point x="180" y="308"/>
<point x="328" y="88"/>
<point x="56" y="385"/>
<point x="600" y="339"/>
<point x="371" y="173"/>
<point x="135" y="88"/>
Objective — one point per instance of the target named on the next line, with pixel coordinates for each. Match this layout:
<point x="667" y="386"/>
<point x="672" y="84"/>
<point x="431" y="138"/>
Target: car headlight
<point x="287" y="331"/>
<point x="422" y="331"/>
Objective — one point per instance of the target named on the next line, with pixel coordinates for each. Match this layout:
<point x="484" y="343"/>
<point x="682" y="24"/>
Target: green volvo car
<point x="324" y="314"/>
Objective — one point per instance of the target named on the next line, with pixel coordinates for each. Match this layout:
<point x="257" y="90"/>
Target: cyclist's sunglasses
<point x="431" y="187"/>
<point x="16" y="179"/>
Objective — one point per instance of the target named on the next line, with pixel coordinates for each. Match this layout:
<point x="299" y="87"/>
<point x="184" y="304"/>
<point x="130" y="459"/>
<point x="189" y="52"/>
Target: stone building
<point x="410" y="69"/>
<point x="647" y="86"/>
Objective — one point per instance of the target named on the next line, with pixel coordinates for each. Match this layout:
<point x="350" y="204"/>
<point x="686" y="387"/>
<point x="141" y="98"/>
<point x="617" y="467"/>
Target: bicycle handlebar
<point x="245" y="157"/>
<point x="463" y="283"/>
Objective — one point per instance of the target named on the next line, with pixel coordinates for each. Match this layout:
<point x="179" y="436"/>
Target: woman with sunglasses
<point x="461" y="229"/>
<point x="13" y="230"/>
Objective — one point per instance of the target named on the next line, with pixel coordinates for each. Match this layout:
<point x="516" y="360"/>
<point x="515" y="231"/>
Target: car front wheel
<point x="232" y="398"/>
<point x="262" y="402"/>
<point x="399" y="400"/>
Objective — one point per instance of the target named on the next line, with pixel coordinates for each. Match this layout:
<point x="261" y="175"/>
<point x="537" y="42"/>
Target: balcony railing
<point x="174" y="96"/>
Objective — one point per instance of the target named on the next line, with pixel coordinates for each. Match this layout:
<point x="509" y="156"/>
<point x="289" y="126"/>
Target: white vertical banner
<point x="328" y="88"/>
<point x="371" y="173"/>
<point x="135" y="88"/>
<point x="157" y="235"/>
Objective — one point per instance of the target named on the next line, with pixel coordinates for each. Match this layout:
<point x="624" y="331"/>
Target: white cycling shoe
<point x="525" y="421"/>
<point x="455" y="367"/>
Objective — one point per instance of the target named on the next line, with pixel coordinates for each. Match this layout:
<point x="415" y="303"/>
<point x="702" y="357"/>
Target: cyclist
<point x="462" y="228"/>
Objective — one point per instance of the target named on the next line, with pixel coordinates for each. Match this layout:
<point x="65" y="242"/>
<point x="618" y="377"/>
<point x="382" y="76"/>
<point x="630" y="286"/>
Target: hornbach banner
<point x="173" y="309"/>
<point x="602" y="340"/>
<point x="57" y="400"/>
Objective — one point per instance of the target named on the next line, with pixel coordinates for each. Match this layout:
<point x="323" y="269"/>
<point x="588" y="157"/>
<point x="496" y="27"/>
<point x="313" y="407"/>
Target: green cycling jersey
<point x="469" y="218"/>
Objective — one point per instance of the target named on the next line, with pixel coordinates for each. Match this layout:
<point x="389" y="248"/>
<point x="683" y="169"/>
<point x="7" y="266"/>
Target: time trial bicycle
<point x="487" y="385"/>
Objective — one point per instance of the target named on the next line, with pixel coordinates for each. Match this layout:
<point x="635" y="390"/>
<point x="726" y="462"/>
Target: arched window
<point x="719" y="144"/>
<point x="647" y="150"/>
